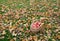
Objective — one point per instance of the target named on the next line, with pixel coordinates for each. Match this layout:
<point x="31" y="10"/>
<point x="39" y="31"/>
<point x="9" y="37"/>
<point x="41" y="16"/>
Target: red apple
<point x="35" y="26"/>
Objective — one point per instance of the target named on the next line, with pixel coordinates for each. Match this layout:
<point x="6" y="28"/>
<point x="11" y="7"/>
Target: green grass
<point x="41" y="6"/>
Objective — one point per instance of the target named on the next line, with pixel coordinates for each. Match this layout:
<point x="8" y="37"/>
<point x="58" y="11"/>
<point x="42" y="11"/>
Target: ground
<point x="16" y="17"/>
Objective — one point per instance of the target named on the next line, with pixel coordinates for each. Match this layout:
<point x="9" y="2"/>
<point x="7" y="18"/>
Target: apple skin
<point x="35" y="26"/>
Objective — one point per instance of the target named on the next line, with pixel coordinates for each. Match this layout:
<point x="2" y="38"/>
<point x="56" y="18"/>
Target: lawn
<point x="17" y="17"/>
